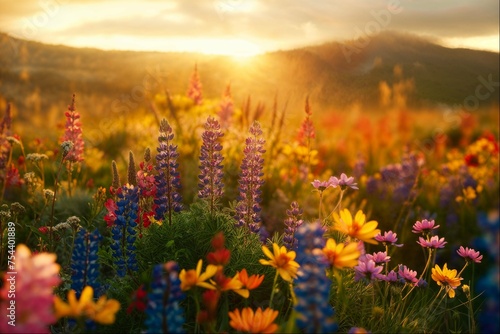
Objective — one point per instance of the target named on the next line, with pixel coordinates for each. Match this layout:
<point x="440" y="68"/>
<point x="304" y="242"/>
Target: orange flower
<point x="357" y="228"/>
<point x="224" y="283"/>
<point x="248" y="283"/>
<point x="340" y="255"/>
<point x="192" y="278"/>
<point x="251" y="282"/>
<point x="282" y="260"/>
<point x="446" y="278"/>
<point x="250" y="322"/>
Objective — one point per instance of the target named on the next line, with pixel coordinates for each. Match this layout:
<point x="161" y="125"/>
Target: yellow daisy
<point x="356" y="228"/>
<point x="192" y="278"/>
<point x="341" y="255"/>
<point x="282" y="260"/>
<point x="446" y="278"/>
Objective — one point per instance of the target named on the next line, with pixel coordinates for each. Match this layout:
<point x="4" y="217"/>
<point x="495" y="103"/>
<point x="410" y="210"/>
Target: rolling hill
<point x="40" y="76"/>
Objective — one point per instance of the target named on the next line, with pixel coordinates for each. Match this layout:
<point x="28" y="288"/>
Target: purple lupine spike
<point x="211" y="173"/>
<point x="248" y="207"/>
<point x="168" y="199"/>
<point x="292" y="223"/>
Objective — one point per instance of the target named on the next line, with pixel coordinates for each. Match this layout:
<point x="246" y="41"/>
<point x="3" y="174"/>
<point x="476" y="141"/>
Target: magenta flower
<point x="410" y="276"/>
<point x="322" y="185"/>
<point x="388" y="237"/>
<point x="226" y="107"/>
<point x="35" y="279"/>
<point x="434" y="242"/>
<point x="195" y="92"/>
<point x="424" y="227"/>
<point x="73" y="133"/>
<point x="343" y="181"/>
<point x="378" y="258"/>
<point x="469" y="254"/>
<point x="367" y="270"/>
<point x="392" y="277"/>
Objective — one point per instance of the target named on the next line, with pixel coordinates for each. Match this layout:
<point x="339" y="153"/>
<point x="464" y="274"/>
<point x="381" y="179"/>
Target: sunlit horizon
<point x="244" y="28"/>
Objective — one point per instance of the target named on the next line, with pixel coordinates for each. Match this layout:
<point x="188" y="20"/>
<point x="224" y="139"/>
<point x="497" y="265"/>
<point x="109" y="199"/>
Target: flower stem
<point x="274" y="289"/>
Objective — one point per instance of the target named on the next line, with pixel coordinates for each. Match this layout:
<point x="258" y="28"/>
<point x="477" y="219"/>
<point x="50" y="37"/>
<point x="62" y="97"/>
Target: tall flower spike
<point x="84" y="261"/>
<point x="168" y="199"/>
<point x="306" y="131"/>
<point x="131" y="176"/>
<point x="5" y="146"/>
<point x="73" y="133"/>
<point x="115" y="183"/>
<point x="292" y="223"/>
<point x="147" y="192"/>
<point x="248" y="207"/>
<point x="164" y="313"/>
<point x="226" y="107"/>
<point x="210" y="178"/>
<point x="123" y="232"/>
<point x="312" y="287"/>
<point x="195" y="88"/>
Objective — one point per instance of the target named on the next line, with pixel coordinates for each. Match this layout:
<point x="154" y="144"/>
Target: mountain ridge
<point x="323" y="72"/>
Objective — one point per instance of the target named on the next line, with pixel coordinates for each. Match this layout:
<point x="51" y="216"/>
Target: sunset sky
<point x="245" y="27"/>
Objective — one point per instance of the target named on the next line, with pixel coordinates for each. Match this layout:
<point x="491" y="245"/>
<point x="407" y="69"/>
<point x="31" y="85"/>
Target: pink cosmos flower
<point x="344" y="181"/>
<point x="388" y="237"/>
<point x="322" y="185"/>
<point x="379" y="257"/>
<point x="392" y="277"/>
<point x="367" y="270"/>
<point x="35" y="279"/>
<point x="469" y="254"/>
<point x="425" y="226"/>
<point x="410" y="276"/>
<point x="434" y="242"/>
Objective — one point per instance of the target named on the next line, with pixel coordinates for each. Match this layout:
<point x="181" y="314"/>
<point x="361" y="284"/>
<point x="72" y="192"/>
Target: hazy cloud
<point x="267" y="23"/>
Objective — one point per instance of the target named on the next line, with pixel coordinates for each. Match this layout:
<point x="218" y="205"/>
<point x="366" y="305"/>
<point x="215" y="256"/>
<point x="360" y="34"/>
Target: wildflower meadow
<point x="200" y="216"/>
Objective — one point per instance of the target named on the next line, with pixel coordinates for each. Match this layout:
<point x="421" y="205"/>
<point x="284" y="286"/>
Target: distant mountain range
<point x="334" y="75"/>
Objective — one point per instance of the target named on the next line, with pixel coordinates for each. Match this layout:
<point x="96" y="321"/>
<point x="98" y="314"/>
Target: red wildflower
<point x="13" y="179"/>
<point x="138" y="300"/>
<point x="110" y="217"/>
<point x="471" y="160"/>
<point x="218" y="241"/>
<point x="219" y="257"/>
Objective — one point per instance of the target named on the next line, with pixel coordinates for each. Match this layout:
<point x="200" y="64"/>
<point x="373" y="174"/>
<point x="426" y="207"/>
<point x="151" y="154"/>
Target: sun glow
<point x="236" y="48"/>
<point x="487" y="43"/>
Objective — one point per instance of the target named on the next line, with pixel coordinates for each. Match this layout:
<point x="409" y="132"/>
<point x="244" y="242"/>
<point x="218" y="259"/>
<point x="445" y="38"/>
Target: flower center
<point x="282" y="260"/>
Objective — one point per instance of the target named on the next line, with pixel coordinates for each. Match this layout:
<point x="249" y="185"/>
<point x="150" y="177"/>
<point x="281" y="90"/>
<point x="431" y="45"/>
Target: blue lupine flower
<point x="489" y="283"/>
<point x="248" y="207"/>
<point x="211" y="186"/>
<point x="312" y="287"/>
<point x="84" y="261"/>
<point x="292" y="223"/>
<point x="164" y="313"/>
<point x="168" y="199"/>
<point x="124" y="232"/>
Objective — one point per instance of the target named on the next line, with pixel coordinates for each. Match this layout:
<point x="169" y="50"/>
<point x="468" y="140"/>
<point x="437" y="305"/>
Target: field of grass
<point x="201" y="216"/>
